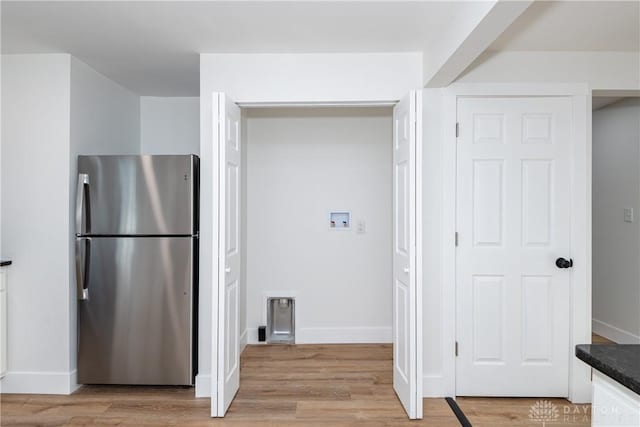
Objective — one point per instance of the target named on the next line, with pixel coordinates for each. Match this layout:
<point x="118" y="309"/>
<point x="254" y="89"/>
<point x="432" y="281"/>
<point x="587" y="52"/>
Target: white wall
<point x="301" y="164"/>
<point x="35" y="221"/>
<point x="436" y="294"/>
<point x="170" y="125"/>
<point x="311" y="77"/>
<point x="601" y="70"/>
<point x="296" y="78"/>
<point x="105" y="117"/>
<point x="54" y="108"/>
<point x="616" y="244"/>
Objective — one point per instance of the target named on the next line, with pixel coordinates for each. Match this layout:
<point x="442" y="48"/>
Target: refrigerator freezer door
<point x="143" y="195"/>
<point x="136" y="325"/>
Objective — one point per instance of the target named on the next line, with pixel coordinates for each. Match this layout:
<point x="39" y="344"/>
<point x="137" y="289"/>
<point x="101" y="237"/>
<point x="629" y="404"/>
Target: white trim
<point x="345" y="335"/>
<point x="435" y="386"/>
<point x="243" y="340"/>
<point x="449" y="154"/>
<point x="308" y="335"/>
<point x="215" y="240"/>
<point x="516" y="89"/>
<point x="437" y="239"/>
<point x="73" y="381"/>
<point x="616" y="93"/>
<point x="219" y="145"/>
<point x="203" y="385"/>
<point x="615" y="334"/>
<point x="418" y="258"/>
<point x="312" y="104"/>
<point x="252" y="337"/>
<point x="581" y="227"/>
<point x="580" y="306"/>
<point x="39" y="382"/>
<point x="443" y="128"/>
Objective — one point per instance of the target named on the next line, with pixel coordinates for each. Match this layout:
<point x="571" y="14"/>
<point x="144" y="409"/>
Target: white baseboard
<point x="356" y="335"/>
<point x="203" y="385"/>
<point x="364" y="335"/>
<point x="203" y="381"/>
<point x="252" y="336"/>
<point x="436" y="386"/>
<point x="243" y="340"/>
<point x="617" y="335"/>
<point x="39" y="382"/>
<point x="73" y="381"/>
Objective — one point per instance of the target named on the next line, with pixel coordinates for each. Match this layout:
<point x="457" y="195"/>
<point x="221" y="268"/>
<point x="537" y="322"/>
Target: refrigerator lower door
<point x="136" y="325"/>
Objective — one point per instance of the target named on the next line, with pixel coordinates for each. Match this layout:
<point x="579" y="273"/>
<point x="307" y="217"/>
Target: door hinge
<point x="457" y="129"/>
<point x="456" y="238"/>
<point x="456" y="348"/>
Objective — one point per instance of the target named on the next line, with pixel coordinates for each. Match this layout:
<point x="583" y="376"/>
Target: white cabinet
<point x="3" y="321"/>
<point x="613" y="405"/>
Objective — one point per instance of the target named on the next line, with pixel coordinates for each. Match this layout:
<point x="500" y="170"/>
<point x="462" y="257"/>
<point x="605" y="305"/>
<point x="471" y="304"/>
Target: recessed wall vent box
<point x="281" y="320"/>
<point x="340" y="220"/>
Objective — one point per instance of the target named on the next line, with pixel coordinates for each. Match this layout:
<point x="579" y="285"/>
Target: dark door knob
<point x="563" y="263"/>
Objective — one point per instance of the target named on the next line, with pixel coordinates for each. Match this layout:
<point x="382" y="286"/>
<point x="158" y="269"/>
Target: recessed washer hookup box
<point x="281" y="320"/>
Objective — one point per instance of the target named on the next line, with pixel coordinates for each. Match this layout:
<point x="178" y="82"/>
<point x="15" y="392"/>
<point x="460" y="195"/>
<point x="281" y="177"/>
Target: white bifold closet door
<point x="407" y="307"/>
<point x="225" y="377"/>
<point x="407" y="301"/>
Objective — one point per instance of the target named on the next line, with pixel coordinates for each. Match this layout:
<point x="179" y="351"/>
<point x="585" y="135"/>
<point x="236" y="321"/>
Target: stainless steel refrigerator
<point x="136" y="269"/>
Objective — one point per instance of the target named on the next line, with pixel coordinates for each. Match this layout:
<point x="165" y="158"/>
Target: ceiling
<point x="152" y="47"/>
<point x="574" y="25"/>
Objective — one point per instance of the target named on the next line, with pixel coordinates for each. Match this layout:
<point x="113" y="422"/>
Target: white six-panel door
<point x="226" y="130"/>
<point x="407" y="326"/>
<point x="513" y="222"/>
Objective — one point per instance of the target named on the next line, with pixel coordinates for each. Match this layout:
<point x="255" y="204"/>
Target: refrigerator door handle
<point x="82" y="267"/>
<point x="83" y="205"/>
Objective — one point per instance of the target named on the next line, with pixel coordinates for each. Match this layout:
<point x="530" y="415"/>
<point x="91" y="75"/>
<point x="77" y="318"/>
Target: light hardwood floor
<point x="597" y="339"/>
<point x="302" y="385"/>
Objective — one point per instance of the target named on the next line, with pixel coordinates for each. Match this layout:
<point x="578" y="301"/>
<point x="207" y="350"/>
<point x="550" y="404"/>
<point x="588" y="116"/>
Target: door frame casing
<point x="418" y="257"/>
<point x="580" y="241"/>
<point x="213" y="268"/>
<point x="215" y="249"/>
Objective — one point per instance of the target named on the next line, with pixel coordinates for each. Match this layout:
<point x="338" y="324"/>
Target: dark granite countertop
<point x="4" y="262"/>
<point x="620" y="362"/>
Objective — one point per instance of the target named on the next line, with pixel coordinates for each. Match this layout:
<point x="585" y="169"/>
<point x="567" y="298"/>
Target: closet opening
<point x="316" y="221"/>
<point x="317" y="229"/>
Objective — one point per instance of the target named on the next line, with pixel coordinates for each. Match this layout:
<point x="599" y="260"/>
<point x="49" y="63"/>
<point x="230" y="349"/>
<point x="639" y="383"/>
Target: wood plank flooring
<point x="501" y="412"/>
<point x="289" y="386"/>
<point x="597" y="339"/>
